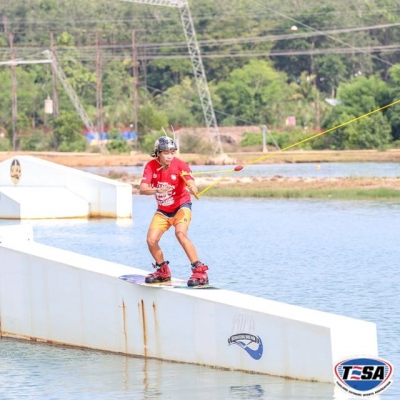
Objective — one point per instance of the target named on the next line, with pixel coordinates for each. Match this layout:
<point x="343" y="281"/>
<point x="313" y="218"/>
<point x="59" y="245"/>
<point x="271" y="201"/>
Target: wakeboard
<point x="172" y="284"/>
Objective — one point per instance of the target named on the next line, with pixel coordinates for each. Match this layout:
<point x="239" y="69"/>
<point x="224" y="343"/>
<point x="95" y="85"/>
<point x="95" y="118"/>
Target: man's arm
<point x="147" y="189"/>
<point x="189" y="182"/>
<point x="191" y="187"/>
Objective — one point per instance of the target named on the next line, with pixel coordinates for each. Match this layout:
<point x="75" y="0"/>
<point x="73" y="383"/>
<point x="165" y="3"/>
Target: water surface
<point x="305" y="170"/>
<point x="335" y="256"/>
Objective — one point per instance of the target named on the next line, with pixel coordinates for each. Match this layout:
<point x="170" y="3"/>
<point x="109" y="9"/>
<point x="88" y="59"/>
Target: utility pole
<point x="5" y="24"/>
<point x="14" y="109"/>
<point x="99" y="88"/>
<point x="56" y="109"/>
<point x="318" y="110"/>
<point x="135" y="81"/>
<point x="264" y="133"/>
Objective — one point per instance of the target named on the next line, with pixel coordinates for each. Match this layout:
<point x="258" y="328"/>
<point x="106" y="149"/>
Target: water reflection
<point x="43" y="371"/>
<point x="246" y="392"/>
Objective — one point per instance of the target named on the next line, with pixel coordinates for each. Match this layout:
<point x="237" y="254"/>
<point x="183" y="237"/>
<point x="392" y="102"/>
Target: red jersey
<point x="158" y="177"/>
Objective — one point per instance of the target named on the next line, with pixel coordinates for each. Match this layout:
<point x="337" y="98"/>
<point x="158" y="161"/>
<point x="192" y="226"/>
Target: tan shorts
<point x="161" y="221"/>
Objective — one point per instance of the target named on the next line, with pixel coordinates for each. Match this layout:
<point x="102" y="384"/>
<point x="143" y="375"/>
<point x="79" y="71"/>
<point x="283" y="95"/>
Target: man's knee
<point x="152" y="241"/>
<point x="180" y="235"/>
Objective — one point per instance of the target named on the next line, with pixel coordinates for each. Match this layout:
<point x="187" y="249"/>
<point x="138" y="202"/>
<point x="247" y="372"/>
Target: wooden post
<point x="14" y="106"/>
<point x="56" y="109"/>
<point x="135" y="81"/>
<point x="99" y="88"/>
<point x="264" y="133"/>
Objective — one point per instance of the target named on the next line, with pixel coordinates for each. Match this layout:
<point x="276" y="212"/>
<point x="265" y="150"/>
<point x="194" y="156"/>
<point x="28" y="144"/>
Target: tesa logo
<point x="363" y="376"/>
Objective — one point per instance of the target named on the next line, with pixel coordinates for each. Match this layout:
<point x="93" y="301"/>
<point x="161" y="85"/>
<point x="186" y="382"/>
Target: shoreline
<point x="347" y="188"/>
<point x="275" y="157"/>
<point x="350" y="188"/>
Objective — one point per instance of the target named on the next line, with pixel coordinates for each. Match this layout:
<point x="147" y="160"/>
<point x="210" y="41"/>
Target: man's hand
<point x="192" y="188"/>
<point x="165" y="189"/>
<point x="149" y="190"/>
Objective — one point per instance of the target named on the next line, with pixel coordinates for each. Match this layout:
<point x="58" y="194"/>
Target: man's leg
<point x="181" y="230"/>
<point x="153" y="238"/>
<point x="158" y="226"/>
<point x="199" y="270"/>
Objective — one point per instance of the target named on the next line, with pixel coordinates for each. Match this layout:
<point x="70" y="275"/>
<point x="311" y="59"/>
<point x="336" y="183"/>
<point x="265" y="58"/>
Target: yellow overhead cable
<point x="240" y="167"/>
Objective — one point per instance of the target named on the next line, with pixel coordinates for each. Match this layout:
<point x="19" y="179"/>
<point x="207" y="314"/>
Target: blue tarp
<point x="104" y="136"/>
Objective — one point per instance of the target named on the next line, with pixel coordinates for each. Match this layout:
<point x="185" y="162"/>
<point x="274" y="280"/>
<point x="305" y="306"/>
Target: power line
<point x="316" y="30"/>
<point x="233" y="41"/>
<point x="217" y="15"/>
<point x="109" y="55"/>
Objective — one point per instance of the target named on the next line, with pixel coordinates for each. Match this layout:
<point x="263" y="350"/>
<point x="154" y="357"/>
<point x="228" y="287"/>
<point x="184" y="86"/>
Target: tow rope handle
<point x="187" y="183"/>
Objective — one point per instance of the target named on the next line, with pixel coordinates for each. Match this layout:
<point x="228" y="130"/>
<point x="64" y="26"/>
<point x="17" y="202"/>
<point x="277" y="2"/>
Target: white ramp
<point x="58" y="296"/>
<point x="31" y="188"/>
<point x="51" y="202"/>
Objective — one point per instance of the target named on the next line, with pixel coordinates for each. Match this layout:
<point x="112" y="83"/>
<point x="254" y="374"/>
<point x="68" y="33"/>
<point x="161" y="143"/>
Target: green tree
<point x="307" y="101"/>
<point x="253" y="94"/>
<point x="393" y="113"/>
<point x="30" y="98"/>
<point x="150" y="118"/>
<point x="163" y="74"/>
<point x="147" y="141"/>
<point x="227" y="30"/>
<point x="118" y="86"/>
<point x="67" y="133"/>
<point x="36" y="141"/>
<point x="372" y="132"/>
<point x="5" y="144"/>
<point x="181" y="104"/>
<point x="331" y="71"/>
<point x="117" y="145"/>
<point x="359" y="97"/>
<point x="317" y="17"/>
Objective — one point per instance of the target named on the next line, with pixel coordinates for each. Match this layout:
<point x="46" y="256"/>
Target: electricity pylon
<point x="70" y="92"/>
<point x="197" y="64"/>
<point x="51" y="59"/>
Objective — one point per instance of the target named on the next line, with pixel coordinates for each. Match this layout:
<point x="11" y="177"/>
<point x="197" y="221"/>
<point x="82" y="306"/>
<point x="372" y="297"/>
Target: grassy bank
<point x="349" y="188"/>
<point x="329" y="194"/>
<point x="312" y="156"/>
